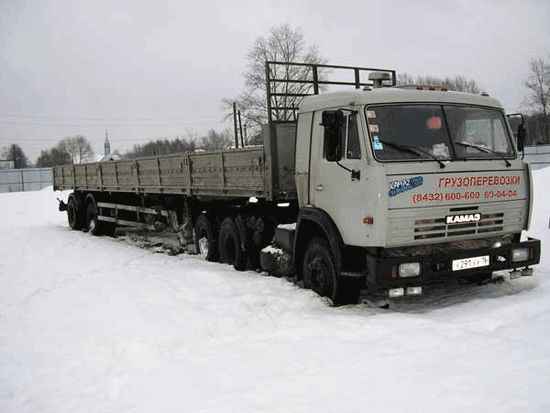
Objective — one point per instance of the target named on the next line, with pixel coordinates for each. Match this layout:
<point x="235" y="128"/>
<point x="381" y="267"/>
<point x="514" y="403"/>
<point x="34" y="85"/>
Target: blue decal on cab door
<point x="404" y="185"/>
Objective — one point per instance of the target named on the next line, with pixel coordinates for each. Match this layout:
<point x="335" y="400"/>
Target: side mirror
<point x="522" y="135"/>
<point x="333" y="121"/>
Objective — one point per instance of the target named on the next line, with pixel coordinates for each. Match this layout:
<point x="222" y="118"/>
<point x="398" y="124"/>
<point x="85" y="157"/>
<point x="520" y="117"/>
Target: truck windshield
<point x="440" y="132"/>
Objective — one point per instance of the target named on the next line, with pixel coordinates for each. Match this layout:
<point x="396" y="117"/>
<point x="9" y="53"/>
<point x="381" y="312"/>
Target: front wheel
<point x="321" y="275"/>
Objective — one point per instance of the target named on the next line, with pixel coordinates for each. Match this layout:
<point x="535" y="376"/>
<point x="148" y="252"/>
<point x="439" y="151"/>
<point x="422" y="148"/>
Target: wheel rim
<point x="92" y="224"/>
<point x="91" y="219"/>
<point x="320" y="276"/>
<point x="204" y="247"/>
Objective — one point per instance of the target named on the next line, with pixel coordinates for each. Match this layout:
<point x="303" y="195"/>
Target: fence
<point x="538" y="156"/>
<point x="18" y="180"/>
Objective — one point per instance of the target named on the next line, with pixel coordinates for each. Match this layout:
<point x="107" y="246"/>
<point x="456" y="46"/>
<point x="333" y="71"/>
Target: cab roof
<point x="359" y="97"/>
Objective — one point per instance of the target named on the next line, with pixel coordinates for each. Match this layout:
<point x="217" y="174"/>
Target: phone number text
<point x="463" y="196"/>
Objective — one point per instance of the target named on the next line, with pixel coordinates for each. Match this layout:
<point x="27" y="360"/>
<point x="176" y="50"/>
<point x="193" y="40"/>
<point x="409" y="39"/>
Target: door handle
<point x="319" y="187"/>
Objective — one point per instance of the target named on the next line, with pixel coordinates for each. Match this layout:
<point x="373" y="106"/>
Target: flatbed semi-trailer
<point x="234" y="173"/>
<point x="372" y="192"/>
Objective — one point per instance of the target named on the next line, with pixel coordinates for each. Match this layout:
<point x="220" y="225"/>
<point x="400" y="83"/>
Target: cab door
<point x="338" y="187"/>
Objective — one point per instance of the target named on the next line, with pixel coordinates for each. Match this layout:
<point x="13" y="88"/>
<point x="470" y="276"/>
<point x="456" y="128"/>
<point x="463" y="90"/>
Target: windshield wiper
<point x="484" y="149"/>
<point x="414" y="150"/>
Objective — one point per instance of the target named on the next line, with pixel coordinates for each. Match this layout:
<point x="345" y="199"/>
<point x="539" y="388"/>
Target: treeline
<point x="70" y="150"/>
<point x="160" y="147"/>
<point x="538" y="129"/>
<point x="14" y="154"/>
<point x="77" y="149"/>
<point x="213" y="140"/>
<point x="538" y="100"/>
<point x="456" y="83"/>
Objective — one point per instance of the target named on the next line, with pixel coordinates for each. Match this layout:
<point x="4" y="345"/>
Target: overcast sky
<point x="160" y="68"/>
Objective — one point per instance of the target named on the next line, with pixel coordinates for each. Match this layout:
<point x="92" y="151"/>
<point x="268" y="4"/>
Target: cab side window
<point x="337" y="135"/>
<point x="353" y="147"/>
<point x="348" y="137"/>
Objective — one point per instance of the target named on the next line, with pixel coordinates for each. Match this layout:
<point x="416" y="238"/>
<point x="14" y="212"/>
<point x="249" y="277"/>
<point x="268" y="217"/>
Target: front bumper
<point x="382" y="269"/>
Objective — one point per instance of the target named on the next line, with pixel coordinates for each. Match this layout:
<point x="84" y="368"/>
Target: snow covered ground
<point x="98" y="325"/>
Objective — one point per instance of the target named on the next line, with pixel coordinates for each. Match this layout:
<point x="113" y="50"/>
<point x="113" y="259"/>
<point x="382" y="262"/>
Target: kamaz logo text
<point x="458" y="219"/>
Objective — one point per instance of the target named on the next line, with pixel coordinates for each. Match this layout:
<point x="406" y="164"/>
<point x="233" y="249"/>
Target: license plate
<point x="472" y="262"/>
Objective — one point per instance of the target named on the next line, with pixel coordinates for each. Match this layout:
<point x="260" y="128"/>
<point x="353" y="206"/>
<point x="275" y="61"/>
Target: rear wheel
<point x="75" y="215"/>
<point x="206" y="237"/>
<point x="321" y="275"/>
<point x="229" y="245"/>
<point x="94" y="225"/>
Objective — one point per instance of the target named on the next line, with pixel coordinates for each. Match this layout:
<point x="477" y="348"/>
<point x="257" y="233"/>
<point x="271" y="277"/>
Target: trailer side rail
<point x="232" y="173"/>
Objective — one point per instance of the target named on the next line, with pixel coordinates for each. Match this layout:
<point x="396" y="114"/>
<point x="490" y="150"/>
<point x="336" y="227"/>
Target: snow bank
<point x="96" y="325"/>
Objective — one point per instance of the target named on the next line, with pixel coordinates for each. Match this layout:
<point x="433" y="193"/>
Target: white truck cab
<point x="407" y="156"/>
<point x="404" y="186"/>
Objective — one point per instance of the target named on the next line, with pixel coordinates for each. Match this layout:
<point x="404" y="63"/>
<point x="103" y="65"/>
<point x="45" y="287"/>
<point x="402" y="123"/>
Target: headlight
<point x="520" y="254"/>
<point x="409" y="269"/>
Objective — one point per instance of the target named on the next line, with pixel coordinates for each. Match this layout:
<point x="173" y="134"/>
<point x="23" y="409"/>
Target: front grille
<point x="438" y="228"/>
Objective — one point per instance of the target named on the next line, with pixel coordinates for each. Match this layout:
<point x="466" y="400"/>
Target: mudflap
<point x="276" y="262"/>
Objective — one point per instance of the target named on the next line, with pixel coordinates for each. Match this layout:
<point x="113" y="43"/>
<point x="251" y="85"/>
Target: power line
<point x="106" y="124"/>
<point x="101" y="119"/>
<point x="152" y="136"/>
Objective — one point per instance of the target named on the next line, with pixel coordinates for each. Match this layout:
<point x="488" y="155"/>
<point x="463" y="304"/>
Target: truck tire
<point x="94" y="225"/>
<point x="206" y="237"/>
<point x="75" y="214"/>
<point x="320" y="274"/>
<point x="229" y="245"/>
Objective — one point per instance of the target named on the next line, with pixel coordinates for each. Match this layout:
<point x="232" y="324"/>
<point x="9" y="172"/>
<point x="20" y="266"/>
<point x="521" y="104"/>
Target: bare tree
<point x="161" y="146"/>
<point x="538" y="84"/>
<point x="456" y="83"/>
<point x="215" y="140"/>
<point x="15" y="154"/>
<point x="283" y="44"/>
<point x="78" y="148"/>
<point x="53" y="157"/>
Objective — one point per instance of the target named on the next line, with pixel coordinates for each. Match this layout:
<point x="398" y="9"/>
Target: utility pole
<point x="14" y="156"/>
<point x="235" y="124"/>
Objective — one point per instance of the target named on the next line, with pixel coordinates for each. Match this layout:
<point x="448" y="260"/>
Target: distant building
<point x="107" y="155"/>
<point x="106" y="145"/>
<point x="110" y="157"/>
<point x="5" y="164"/>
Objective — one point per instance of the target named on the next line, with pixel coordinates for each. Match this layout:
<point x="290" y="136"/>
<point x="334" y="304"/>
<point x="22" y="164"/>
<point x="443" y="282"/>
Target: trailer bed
<point x="231" y="173"/>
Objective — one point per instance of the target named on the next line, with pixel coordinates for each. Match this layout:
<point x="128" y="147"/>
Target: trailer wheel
<point x="75" y="214"/>
<point x="206" y="238"/>
<point x="229" y="245"/>
<point x="321" y="276"/>
<point x="94" y="225"/>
